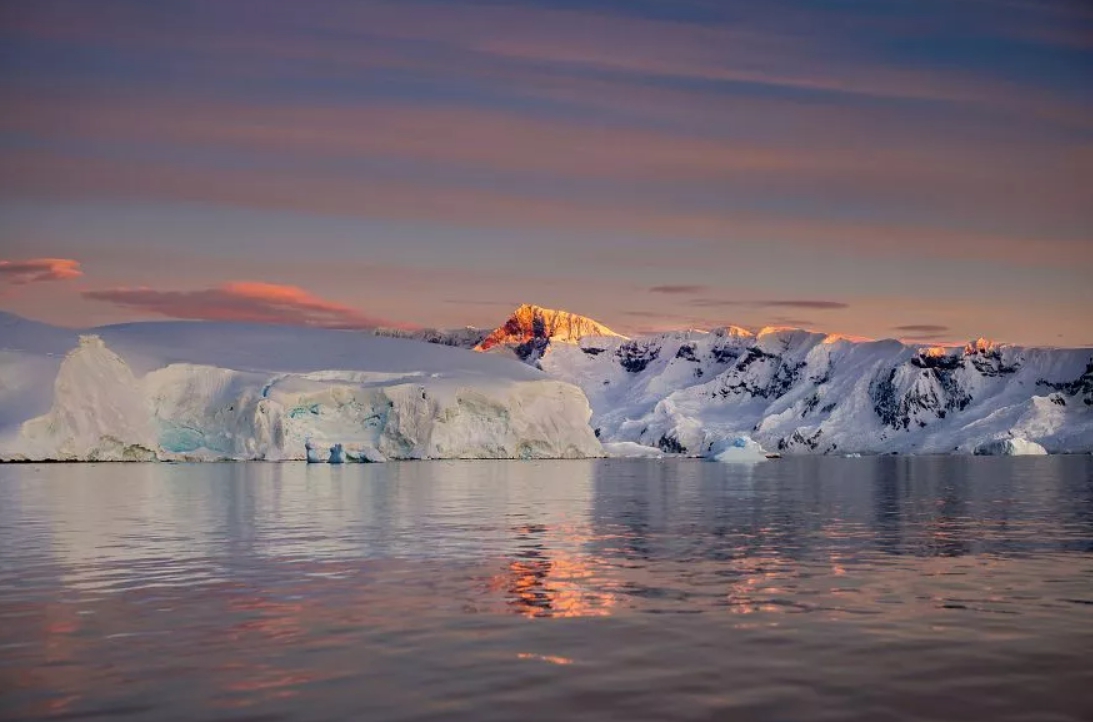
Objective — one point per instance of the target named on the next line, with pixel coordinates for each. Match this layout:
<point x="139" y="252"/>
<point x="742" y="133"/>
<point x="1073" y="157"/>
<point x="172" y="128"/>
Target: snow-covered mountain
<point x="531" y="330"/>
<point x="211" y="390"/>
<point x="797" y="391"/>
<point x="196" y="390"/>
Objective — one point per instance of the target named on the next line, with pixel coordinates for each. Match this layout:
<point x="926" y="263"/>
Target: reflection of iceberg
<point x="543" y="582"/>
<point x="111" y="525"/>
<point x="132" y="515"/>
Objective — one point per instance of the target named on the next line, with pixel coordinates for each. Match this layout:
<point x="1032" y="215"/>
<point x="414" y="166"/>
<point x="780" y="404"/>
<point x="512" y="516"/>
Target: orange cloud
<point x="33" y="270"/>
<point x="247" y="301"/>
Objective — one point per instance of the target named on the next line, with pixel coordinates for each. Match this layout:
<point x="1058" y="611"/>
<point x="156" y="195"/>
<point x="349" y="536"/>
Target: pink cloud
<point x="33" y="270"/>
<point x="246" y="301"/>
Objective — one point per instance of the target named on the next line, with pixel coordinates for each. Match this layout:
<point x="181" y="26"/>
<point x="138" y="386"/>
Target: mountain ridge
<point x="792" y="390"/>
<point x="530" y="330"/>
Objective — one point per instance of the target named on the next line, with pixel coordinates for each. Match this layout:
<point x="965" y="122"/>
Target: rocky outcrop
<point x="531" y="329"/>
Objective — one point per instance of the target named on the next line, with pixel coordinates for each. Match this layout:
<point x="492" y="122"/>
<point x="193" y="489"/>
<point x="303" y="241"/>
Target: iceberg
<point x="209" y="391"/>
<point x="741" y="450"/>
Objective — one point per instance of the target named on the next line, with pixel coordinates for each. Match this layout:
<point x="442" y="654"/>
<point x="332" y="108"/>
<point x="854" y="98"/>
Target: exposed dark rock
<point x="754" y="354"/>
<point x="724" y="354"/>
<point x="1081" y="386"/>
<point x="687" y="352"/>
<point x="635" y="356"/>
<point x="988" y="361"/>
<point x="531" y="349"/>
<point x="946" y="363"/>
<point x="798" y="439"/>
<point x="783" y="376"/>
<point x="897" y="412"/>
<point x="671" y="445"/>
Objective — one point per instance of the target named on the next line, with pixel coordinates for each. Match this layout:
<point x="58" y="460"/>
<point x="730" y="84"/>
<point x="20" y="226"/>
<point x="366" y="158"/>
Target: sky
<point x="920" y="169"/>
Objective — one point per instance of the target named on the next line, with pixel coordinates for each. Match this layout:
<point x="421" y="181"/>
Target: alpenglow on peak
<point x="531" y="324"/>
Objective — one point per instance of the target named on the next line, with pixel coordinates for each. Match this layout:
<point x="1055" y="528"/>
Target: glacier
<point x="198" y="391"/>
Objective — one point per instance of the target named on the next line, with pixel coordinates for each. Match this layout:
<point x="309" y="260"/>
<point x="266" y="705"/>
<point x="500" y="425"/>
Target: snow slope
<point x="467" y="337"/>
<point x="796" y="391"/>
<point x="195" y="390"/>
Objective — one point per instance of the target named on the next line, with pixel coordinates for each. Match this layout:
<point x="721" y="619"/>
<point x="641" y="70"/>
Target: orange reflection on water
<point x="748" y="595"/>
<point x="260" y="683"/>
<point x="544" y="583"/>
<point x="276" y="620"/>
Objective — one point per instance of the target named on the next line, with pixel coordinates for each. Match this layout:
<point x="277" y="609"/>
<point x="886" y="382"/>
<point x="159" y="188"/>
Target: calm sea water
<point x="800" y="589"/>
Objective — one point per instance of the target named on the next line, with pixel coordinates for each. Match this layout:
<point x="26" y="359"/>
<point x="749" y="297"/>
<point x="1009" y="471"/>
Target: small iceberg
<point x="740" y="450"/>
<point x="1010" y="447"/>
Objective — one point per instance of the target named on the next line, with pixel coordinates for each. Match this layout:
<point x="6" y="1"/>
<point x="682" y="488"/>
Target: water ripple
<point x="804" y="589"/>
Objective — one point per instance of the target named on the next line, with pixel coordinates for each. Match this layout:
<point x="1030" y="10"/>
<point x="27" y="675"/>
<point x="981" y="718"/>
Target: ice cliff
<point x="198" y="391"/>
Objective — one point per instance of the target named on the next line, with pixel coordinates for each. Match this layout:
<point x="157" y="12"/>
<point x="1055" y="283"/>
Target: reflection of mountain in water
<point x="803" y="509"/>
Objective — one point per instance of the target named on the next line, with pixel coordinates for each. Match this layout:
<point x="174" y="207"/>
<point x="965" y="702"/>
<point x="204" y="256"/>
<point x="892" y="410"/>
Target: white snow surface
<point x="212" y="391"/>
<point x="630" y="450"/>
<point x="799" y="392"/>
